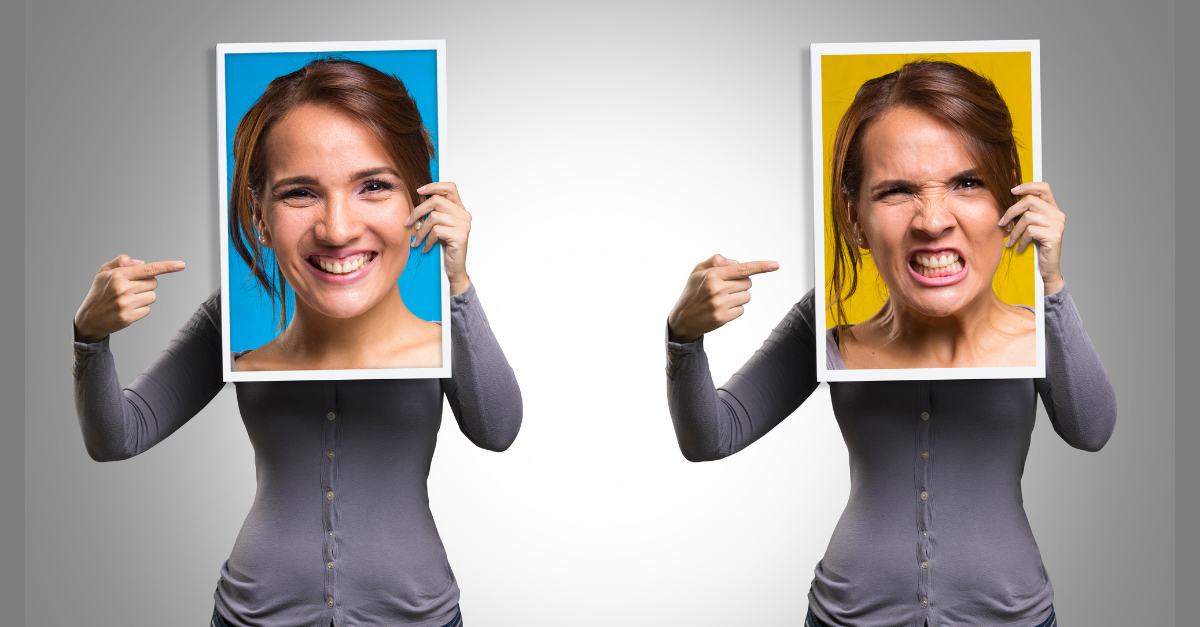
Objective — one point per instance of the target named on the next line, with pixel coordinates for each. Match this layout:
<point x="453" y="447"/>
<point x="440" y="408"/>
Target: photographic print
<point x="918" y="152"/>
<point x="322" y="148"/>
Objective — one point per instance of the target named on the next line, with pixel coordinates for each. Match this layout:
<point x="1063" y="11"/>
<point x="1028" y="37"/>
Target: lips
<point x="934" y="264"/>
<point x="936" y="268"/>
<point x="341" y="267"/>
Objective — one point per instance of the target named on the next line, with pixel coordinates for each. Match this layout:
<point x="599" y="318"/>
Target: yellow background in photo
<point x="842" y="75"/>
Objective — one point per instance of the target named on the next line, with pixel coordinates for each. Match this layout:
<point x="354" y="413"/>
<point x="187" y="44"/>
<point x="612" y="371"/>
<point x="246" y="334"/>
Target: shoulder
<point x="211" y="308"/>
<point x="833" y="354"/>
<point x="420" y="346"/>
<point x="252" y="360"/>
<point x="426" y="333"/>
<point x="1021" y="319"/>
<point x="269" y="356"/>
<point x="805" y="310"/>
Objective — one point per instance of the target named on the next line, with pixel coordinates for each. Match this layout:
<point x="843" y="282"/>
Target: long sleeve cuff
<point x="678" y="353"/>
<point x="464" y="299"/>
<point x="84" y="353"/>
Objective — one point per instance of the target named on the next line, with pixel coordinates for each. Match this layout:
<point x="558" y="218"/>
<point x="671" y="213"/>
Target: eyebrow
<point x="373" y="172"/>
<point x="892" y="183"/>
<point x="357" y="176"/>
<point x="295" y="180"/>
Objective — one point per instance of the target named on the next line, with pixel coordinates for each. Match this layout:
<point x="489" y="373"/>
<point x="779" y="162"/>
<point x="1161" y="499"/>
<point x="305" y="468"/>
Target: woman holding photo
<point x="934" y="532"/>
<point x="332" y="173"/>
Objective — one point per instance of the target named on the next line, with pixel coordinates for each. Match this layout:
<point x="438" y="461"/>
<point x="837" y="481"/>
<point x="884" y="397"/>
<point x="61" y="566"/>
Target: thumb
<point x="716" y="261"/>
<point x="120" y="261"/>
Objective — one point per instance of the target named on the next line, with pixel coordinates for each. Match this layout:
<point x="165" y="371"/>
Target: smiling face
<point x="333" y="209"/>
<point x="925" y="214"/>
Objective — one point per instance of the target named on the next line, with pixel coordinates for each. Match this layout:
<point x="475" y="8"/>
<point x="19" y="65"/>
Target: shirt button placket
<point x="923" y="477"/>
<point x="330" y="422"/>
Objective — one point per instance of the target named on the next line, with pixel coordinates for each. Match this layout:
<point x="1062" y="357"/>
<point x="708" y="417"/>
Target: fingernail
<point x="422" y="188"/>
<point x="412" y="241"/>
<point x="180" y="265"/>
<point x="773" y="265"/>
<point x="1014" y="190"/>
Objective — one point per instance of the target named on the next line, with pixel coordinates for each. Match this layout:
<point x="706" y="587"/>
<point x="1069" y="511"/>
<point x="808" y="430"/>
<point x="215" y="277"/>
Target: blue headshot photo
<point x="324" y="151"/>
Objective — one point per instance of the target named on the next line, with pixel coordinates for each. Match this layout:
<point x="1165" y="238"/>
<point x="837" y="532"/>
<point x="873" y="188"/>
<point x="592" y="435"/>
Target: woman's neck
<point x="364" y="341"/>
<point x="969" y="337"/>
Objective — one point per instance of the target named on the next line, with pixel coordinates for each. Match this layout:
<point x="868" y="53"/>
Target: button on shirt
<point x="950" y="451"/>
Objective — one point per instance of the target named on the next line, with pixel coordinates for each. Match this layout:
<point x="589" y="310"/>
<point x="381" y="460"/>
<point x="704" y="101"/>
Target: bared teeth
<point x="936" y="261"/>
<point x="344" y="266"/>
<point x="935" y="272"/>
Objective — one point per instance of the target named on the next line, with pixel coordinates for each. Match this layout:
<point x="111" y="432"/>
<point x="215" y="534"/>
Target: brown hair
<point x="376" y="100"/>
<point x="960" y="98"/>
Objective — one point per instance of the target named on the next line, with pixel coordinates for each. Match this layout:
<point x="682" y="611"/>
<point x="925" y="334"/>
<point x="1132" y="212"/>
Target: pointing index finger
<point x="748" y="269"/>
<point x="148" y="270"/>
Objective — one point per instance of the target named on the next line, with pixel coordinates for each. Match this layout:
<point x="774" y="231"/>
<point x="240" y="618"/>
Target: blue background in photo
<point x="253" y="320"/>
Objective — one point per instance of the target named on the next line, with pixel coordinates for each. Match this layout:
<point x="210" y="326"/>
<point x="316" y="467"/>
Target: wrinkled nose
<point x="340" y="225"/>
<point x="935" y="217"/>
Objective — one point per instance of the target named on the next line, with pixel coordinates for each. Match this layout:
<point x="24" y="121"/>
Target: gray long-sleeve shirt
<point x="340" y="529"/>
<point x="934" y="529"/>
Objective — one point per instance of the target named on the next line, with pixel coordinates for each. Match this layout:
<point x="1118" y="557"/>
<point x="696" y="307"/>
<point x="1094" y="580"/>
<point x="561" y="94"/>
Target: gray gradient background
<point x="627" y="142"/>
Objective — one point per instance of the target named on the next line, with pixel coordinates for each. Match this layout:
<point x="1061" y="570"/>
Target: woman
<point x="335" y="167"/>
<point x="913" y="546"/>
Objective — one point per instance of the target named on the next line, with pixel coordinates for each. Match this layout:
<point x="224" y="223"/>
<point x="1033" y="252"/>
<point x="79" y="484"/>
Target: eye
<point x="892" y="191"/>
<point x="296" y="192"/>
<point x="377" y="186"/>
<point x="970" y="184"/>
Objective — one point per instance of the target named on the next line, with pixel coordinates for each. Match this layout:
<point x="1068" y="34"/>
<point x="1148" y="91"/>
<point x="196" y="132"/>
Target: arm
<point x="483" y="393"/>
<point x="715" y="423"/>
<point x="1076" y="391"/>
<point x="118" y="424"/>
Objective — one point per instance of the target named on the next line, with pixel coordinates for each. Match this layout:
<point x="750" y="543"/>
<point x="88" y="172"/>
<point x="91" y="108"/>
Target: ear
<point x="260" y="225"/>
<point x="856" y="230"/>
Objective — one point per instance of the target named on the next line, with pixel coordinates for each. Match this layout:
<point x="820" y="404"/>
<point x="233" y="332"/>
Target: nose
<point x="935" y="217"/>
<point x="340" y="224"/>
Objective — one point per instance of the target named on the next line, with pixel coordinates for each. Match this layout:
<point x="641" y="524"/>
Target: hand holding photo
<point x="443" y="218"/>
<point x="1036" y="217"/>
<point x="920" y="146"/>
<point x="329" y="157"/>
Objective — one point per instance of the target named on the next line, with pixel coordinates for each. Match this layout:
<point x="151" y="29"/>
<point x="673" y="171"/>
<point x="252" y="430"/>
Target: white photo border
<point x="818" y="51"/>
<point x="228" y="374"/>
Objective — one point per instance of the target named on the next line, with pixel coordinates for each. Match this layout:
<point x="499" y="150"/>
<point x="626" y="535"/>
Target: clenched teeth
<point x="933" y="273"/>
<point x="936" y="261"/>
<point x="936" y="265"/>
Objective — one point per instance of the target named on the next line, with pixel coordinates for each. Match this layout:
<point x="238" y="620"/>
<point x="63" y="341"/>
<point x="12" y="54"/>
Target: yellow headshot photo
<point x="926" y="155"/>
